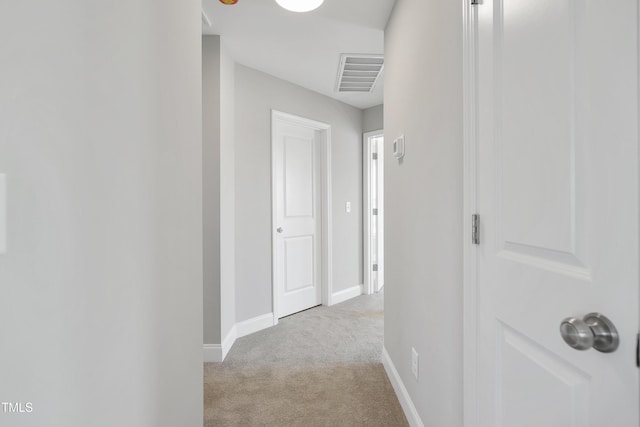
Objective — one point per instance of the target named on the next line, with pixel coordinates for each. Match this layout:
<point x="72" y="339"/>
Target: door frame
<point x="470" y="254"/>
<point x="366" y="203"/>
<point x="326" y="233"/>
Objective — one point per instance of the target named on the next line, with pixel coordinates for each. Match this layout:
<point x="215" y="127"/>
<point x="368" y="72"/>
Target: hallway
<point x="320" y="367"/>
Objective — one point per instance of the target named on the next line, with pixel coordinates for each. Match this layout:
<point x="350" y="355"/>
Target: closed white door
<point x="296" y="151"/>
<point x="557" y="194"/>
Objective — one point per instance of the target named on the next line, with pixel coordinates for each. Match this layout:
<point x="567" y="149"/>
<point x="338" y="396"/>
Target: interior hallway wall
<point x="227" y="192"/>
<point x="211" y="136"/>
<point x="423" y="203"/>
<point x="218" y="75"/>
<point x="101" y="144"/>
<point x="373" y="118"/>
<point x="257" y="94"/>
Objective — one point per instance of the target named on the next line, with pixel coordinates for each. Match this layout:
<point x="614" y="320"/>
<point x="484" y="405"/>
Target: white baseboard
<point x="256" y="324"/>
<point x="346" y="294"/>
<point x="228" y="342"/>
<point x="217" y="352"/>
<point x="408" y="407"/>
<point x="212" y="353"/>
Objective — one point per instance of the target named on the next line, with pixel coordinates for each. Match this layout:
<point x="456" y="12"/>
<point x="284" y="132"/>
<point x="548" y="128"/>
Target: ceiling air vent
<point x="359" y="73"/>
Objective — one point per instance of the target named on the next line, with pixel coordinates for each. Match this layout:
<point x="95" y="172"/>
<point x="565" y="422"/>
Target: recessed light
<point x="300" y="5"/>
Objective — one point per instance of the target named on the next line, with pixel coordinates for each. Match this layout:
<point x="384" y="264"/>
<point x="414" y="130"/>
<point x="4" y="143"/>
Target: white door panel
<point x="557" y="193"/>
<point x="299" y="270"/>
<point x="298" y="217"/>
<point x="299" y="173"/>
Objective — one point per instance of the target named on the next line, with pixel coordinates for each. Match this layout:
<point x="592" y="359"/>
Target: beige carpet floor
<point x="320" y="367"/>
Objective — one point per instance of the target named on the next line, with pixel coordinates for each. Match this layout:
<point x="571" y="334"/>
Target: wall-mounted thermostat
<point x="398" y="147"/>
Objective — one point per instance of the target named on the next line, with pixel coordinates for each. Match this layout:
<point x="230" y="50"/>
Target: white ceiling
<point x="303" y="48"/>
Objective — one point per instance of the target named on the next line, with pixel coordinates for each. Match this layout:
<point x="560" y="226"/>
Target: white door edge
<point x="326" y="234"/>
<point x="366" y="219"/>
<point x="470" y="301"/>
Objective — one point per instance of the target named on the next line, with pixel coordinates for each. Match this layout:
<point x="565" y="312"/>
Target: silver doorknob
<point x="279" y="229"/>
<point x="594" y="330"/>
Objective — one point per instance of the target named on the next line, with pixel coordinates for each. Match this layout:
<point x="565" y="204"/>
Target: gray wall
<point x="211" y="186"/>
<point x="218" y="75"/>
<point x="373" y="118"/>
<point x="227" y="193"/>
<point x="100" y="138"/>
<point x="256" y="94"/>
<point x="423" y="203"/>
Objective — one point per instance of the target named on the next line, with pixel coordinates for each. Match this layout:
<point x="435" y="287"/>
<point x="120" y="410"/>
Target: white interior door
<point x="373" y="213"/>
<point x="298" y="250"/>
<point x="557" y="194"/>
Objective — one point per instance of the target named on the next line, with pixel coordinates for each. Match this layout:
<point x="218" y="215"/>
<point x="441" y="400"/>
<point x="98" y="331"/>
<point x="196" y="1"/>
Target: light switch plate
<point x="3" y="213"/>
<point x="347" y="207"/>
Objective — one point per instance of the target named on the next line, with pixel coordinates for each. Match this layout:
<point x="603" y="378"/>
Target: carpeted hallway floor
<point x="320" y="367"/>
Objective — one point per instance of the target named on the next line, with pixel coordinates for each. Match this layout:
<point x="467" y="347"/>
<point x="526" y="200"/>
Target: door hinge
<point x="375" y="211"/>
<point x="475" y="229"/>
<point x="476" y="1"/>
<point x="375" y="267"/>
<point x="638" y="350"/>
<point x="374" y="156"/>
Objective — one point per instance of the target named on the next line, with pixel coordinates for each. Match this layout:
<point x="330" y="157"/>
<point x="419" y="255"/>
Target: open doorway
<point x="373" y="212"/>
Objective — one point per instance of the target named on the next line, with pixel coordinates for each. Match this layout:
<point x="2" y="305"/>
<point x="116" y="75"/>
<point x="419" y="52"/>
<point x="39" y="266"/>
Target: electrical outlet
<point x="414" y="362"/>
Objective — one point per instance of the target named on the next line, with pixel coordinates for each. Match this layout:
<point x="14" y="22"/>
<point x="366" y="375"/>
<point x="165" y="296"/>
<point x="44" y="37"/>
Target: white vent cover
<point x="359" y="73"/>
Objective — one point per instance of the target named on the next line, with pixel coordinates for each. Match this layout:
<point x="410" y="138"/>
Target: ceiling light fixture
<point x="228" y="1"/>
<point x="300" y="5"/>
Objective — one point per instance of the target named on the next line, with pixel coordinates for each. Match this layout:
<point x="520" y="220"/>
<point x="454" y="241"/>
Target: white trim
<point x="218" y="352"/>
<point x="327" y="221"/>
<point x="327" y="233"/>
<point x="470" y="297"/>
<point x="347" y="294"/>
<point x="255" y="324"/>
<point x="228" y="341"/>
<point x="212" y="353"/>
<point x="408" y="407"/>
<point x="366" y="208"/>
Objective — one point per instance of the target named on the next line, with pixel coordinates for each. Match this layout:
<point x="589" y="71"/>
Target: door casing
<point x="325" y="177"/>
